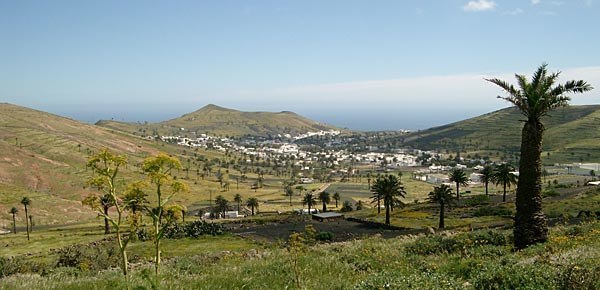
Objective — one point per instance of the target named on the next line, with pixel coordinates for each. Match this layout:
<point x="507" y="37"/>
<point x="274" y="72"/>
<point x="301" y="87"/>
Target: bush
<point x="533" y="276"/>
<point x="91" y="257"/>
<point x="347" y="206"/>
<point x="324" y="237"/>
<point x="492" y="211"/>
<point x="193" y="229"/>
<point x="550" y="193"/>
<point x="440" y="244"/>
<point x="20" y="265"/>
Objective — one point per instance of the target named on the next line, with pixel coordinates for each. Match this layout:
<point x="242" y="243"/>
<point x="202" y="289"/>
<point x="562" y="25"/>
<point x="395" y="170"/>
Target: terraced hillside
<point x="221" y="121"/>
<point x="43" y="156"/>
<point x="571" y="134"/>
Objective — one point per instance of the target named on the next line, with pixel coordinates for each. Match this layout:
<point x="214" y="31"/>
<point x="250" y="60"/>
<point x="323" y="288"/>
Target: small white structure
<point x="232" y="214"/>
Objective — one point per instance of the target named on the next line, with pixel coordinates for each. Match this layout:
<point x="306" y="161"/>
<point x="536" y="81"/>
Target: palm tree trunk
<point x="457" y="191"/>
<point x="387" y="213"/>
<point x="27" y="223"/>
<point x="486" y="188"/>
<point x="14" y="224"/>
<point x="441" y="225"/>
<point x="504" y="193"/>
<point x="106" y="225"/>
<point x="530" y="221"/>
<point x="324" y="207"/>
<point x="378" y="205"/>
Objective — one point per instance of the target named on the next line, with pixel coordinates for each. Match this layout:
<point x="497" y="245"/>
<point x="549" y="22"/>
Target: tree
<point x="441" y="195"/>
<point x="158" y="168"/>
<point x="336" y="197"/>
<point x="459" y="177"/>
<point x="222" y="205"/>
<point x="252" y="203"/>
<point x="26" y="202"/>
<point x="504" y="176"/>
<point x="289" y="192"/>
<point x="105" y="167"/>
<point x="325" y="198"/>
<point x="135" y="201"/>
<point x="387" y="188"/>
<point x="300" y="189"/>
<point x="535" y="99"/>
<point x="14" y="212"/>
<point x="238" y="199"/>
<point x="487" y="176"/>
<point x="309" y="200"/>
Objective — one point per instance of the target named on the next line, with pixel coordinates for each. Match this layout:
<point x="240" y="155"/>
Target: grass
<point x="465" y="260"/>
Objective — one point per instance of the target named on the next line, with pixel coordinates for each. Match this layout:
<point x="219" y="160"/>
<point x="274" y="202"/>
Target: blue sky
<point x="358" y="64"/>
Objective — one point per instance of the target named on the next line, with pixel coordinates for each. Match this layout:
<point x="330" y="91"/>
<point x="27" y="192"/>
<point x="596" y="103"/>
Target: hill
<point x="43" y="156"/>
<point x="220" y="121"/>
<point x="571" y="135"/>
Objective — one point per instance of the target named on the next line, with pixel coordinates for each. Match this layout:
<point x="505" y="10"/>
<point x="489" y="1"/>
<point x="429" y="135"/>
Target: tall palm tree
<point x="26" y="202"/>
<point x="14" y="212"/>
<point x="238" y="199"/>
<point x="504" y="176"/>
<point x="325" y="198"/>
<point x="487" y="176"/>
<point x="252" y="203"/>
<point x="309" y="200"/>
<point x="459" y="177"/>
<point x="535" y="99"/>
<point x="389" y="189"/>
<point x="336" y="197"/>
<point x="443" y="196"/>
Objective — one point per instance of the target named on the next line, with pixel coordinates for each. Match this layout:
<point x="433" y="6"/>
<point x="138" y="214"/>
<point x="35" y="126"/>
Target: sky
<point x="367" y="65"/>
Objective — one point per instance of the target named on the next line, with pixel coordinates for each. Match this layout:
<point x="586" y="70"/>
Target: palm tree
<point x="389" y="189"/>
<point x="535" y="99"/>
<point x="300" y="189"/>
<point x="222" y="204"/>
<point x="336" y="197"/>
<point x="487" y="176"/>
<point x="325" y="198"/>
<point x="14" y="212"/>
<point x="252" y="203"/>
<point x="309" y="200"/>
<point x="459" y="177"/>
<point x="289" y="192"/>
<point x="26" y="202"/>
<point x="443" y="196"/>
<point x="504" y="176"/>
<point x="238" y="199"/>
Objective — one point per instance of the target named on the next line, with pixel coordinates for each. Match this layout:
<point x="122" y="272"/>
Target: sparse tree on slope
<point x="336" y="197"/>
<point x="252" y="203"/>
<point x="387" y="188"/>
<point x="238" y="199"/>
<point x="441" y="195"/>
<point x="487" y="176"/>
<point x="459" y="177"/>
<point x="309" y="200"/>
<point x="325" y="198"/>
<point x="14" y="212"/>
<point x="535" y="99"/>
<point x="504" y="176"/>
<point x="26" y="202"/>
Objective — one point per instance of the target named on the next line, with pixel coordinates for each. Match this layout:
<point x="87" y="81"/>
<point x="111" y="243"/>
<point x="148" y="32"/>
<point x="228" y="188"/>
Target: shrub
<point x="324" y="237"/>
<point x="347" y="206"/>
<point x="550" y="193"/>
<point x="440" y="244"/>
<point x="91" y="257"/>
<point x="193" y="229"/>
<point x="20" y="265"/>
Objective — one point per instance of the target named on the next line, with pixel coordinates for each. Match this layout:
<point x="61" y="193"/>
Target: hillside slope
<point x="571" y="134"/>
<point x="221" y="121"/>
<point x="43" y="156"/>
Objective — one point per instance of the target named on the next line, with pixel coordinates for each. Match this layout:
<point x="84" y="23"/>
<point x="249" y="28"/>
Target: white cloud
<point x="517" y="11"/>
<point x="479" y="5"/>
<point x="535" y="2"/>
